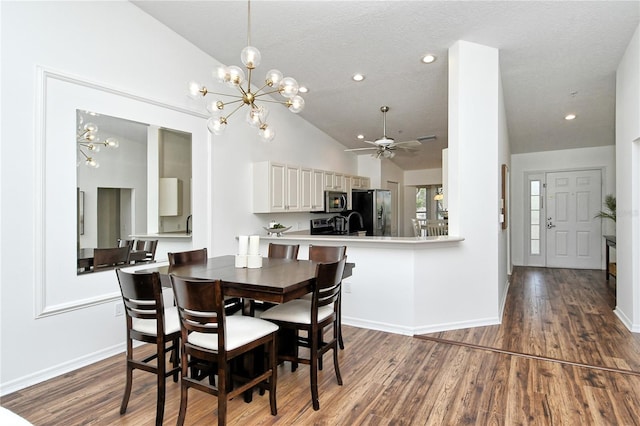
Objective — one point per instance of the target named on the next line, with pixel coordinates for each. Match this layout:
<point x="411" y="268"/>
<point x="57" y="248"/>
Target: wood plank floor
<point x="560" y="357"/>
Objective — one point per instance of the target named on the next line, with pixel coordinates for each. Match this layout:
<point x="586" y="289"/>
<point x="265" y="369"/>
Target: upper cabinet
<point x="281" y="187"/>
<point x="170" y="197"/>
<point x="276" y="187"/>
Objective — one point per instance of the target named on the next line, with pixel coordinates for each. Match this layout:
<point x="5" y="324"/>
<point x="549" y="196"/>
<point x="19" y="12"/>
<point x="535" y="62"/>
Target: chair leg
<point x="336" y="367"/>
<point x="162" y="380"/>
<point x="273" y="364"/>
<point x="313" y="371"/>
<point x="175" y="358"/>
<point x="129" y="378"/>
<point x="223" y="386"/>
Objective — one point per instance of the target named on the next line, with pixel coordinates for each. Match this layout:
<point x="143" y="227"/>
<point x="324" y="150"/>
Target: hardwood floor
<point x="560" y="357"/>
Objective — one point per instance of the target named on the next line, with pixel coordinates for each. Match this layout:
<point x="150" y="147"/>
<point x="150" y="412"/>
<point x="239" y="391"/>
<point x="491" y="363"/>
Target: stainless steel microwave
<point x="335" y="201"/>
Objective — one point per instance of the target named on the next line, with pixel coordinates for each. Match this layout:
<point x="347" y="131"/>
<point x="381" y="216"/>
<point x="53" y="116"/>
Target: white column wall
<point x="628" y="185"/>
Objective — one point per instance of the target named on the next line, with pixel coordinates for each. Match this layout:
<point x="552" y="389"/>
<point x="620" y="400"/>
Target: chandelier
<point x="89" y="142"/>
<point x="234" y="77"/>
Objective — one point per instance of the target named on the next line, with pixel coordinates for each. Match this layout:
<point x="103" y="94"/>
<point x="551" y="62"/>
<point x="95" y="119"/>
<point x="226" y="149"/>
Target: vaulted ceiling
<point x="556" y="57"/>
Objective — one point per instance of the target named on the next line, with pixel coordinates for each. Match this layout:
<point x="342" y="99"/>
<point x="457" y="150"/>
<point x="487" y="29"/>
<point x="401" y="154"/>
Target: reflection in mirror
<point x="121" y="167"/>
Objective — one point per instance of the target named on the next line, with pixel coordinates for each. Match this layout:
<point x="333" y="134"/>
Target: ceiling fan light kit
<point x="385" y="146"/>
<point x="234" y="77"/>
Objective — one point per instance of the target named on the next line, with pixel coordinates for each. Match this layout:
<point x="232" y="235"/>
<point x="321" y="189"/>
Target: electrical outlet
<point x="119" y="309"/>
<point x="347" y="287"/>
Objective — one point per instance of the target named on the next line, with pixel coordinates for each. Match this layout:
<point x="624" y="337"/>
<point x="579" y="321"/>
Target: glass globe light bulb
<point x="236" y="76"/>
<point x="266" y="133"/>
<point x="250" y="57"/>
<point x="288" y="87"/>
<point x="296" y="104"/>
<point x="273" y="78"/>
<point x="92" y="163"/>
<point x="90" y="127"/>
<point x="257" y="115"/>
<point x="221" y="74"/>
<point x="194" y="90"/>
<point x="112" y="143"/>
<point x="214" y="106"/>
<point x="93" y="148"/>
<point x="216" y="125"/>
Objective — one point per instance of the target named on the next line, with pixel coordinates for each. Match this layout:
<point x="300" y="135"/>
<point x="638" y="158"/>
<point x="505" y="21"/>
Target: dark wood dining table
<point x="277" y="281"/>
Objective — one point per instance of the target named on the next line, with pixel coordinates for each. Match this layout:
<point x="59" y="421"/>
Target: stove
<point x="323" y="227"/>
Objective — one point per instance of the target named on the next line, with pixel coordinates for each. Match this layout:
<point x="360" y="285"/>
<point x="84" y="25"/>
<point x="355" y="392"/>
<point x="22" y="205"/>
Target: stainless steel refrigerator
<point x="375" y="207"/>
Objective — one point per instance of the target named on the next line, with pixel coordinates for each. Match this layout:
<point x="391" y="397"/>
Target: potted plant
<point x="610" y="212"/>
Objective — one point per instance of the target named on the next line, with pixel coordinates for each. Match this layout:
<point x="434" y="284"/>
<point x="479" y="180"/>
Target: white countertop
<point x="162" y="235"/>
<point x="407" y="242"/>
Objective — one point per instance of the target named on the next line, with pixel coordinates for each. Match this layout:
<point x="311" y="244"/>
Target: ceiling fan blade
<point x="408" y="143"/>
<point x="371" y="143"/>
<point x="426" y="138"/>
<point x="360" y="149"/>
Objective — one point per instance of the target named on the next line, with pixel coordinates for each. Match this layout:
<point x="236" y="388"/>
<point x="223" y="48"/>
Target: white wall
<point x="602" y="157"/>
<point x="628" y="185"/>
<point x="62" y="37"/>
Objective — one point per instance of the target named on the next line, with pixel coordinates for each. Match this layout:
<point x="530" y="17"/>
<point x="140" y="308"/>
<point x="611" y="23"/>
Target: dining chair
<point x="189" y="257"/>
<point x="199" y="256"/>
<point x="208" y="334"/>
<point x="330" y="254"/>
<point x="312" y="316"/>
<point x="283" y="251"/>
<point x="275" y="251"/>
<point x="149" y="320"/>
<point x="417" y="230"/>
<point x="149" y="247"/>
<point x="437" y="227"/>
<point x="107" y="258"/>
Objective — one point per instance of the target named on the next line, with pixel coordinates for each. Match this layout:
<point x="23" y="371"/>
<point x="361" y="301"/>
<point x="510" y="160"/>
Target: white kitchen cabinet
<point x="365" y="182"/>
<point x="276" y="187"/>
<point x="348" y="185"/>
<point x="338" y="182"/>
<point x="317" y="201"/>
<point x="328" y="180"/>
<point x="170" y="197"/>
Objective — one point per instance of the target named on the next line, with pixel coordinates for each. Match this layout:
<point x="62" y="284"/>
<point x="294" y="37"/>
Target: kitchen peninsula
<point x="399" y="285"/>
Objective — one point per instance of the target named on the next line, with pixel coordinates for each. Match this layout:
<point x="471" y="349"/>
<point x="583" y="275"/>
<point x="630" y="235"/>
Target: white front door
<point x="573" y="234"/>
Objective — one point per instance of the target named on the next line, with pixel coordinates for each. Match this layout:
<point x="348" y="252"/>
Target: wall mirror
<point x="59" y="288"/>
<point x="122" y="171"/>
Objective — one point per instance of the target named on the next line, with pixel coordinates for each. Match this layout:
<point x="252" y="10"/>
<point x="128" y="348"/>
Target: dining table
<point x="277" y="281"/>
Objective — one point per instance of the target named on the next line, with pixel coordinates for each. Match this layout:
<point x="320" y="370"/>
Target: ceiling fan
<point x="385" y="146"/>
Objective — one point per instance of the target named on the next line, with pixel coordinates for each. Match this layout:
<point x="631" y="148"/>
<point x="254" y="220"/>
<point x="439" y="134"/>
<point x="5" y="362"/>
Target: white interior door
<point x="573" y="234"/>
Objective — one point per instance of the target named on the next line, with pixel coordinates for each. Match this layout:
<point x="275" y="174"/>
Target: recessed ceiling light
<point x="360" y="136"/>
<point x="428" y="58"/>
<point x="570" y="117"/>
<point x="303" y="89"/>
<point x="357" y="77"/>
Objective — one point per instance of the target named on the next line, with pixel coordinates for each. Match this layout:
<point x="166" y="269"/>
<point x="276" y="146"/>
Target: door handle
<point x="550" y="224"/>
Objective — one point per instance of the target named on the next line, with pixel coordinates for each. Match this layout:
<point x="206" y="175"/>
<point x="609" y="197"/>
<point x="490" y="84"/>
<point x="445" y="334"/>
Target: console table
<point x="610" y="240"/>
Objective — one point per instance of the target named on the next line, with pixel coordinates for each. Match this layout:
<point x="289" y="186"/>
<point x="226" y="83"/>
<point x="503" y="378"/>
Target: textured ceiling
<point x="548" y="50"/>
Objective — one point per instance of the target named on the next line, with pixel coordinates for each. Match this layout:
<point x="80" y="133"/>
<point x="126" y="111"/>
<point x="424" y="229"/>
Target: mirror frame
<point x="58" y="288"/>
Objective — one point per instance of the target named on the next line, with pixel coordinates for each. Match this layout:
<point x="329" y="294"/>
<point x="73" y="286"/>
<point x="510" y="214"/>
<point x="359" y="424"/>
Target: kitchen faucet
<point x="188" y="221"/>
<point x="349" y="221"/>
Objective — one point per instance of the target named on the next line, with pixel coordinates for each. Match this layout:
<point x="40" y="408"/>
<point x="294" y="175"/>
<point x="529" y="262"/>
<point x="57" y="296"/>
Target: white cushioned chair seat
<point x="298" y="311"/>
<point x="148" y="326"/>
<point x="240" y="330"/>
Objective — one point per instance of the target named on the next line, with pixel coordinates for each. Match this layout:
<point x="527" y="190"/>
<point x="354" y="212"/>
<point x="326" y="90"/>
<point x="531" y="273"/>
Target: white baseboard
<point x="50" y="373"/>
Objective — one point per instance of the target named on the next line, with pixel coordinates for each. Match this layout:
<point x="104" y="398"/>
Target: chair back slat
<point x="200" y="305"/>
<point x="142" y="295"/>
<point x="328" y="283"/>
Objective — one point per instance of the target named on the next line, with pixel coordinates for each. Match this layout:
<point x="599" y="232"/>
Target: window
<point x="426" y="206"/>
<point x="534" y="210"/>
